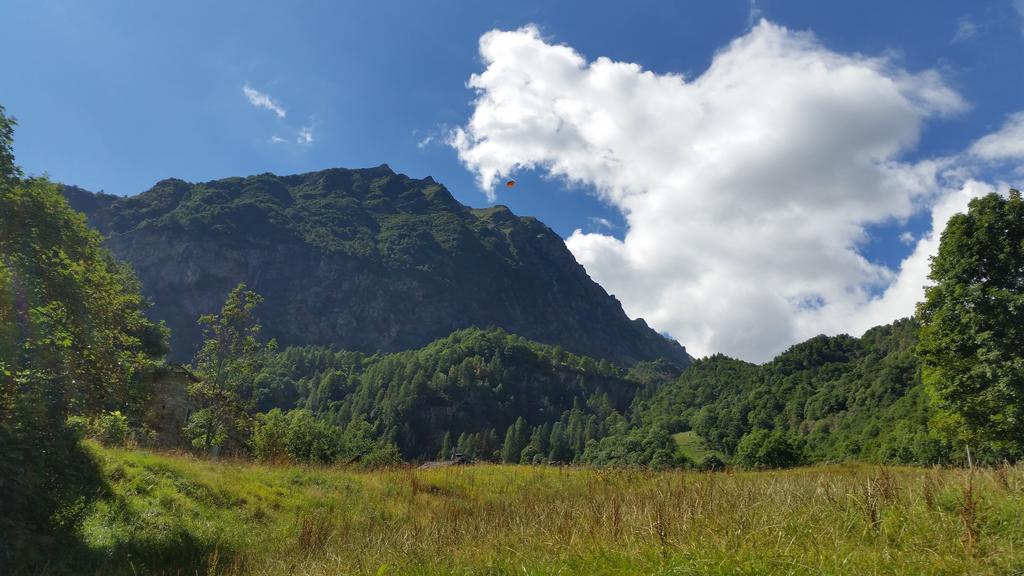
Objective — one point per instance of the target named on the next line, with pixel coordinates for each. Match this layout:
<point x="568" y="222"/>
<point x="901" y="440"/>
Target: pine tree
<point x="544" y="437"/>
<point x="508" y="447"/>
<point x="488" y="445"/>
<point x="472" y="446"/>
<point x="534" y="448"/>
<point x="446" y="447"/>
<point x="559" y="444"/>
<point x="515" y="440"/>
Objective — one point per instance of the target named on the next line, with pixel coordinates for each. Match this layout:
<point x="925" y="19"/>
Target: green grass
<point x="693" y="446"/>
<point x="165" y="514"/>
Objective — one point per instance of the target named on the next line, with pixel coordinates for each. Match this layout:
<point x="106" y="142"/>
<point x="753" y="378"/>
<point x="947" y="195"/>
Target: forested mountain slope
<point x="486" y="393"/>
<point x="829" y="398"/>
<point x="365" y="260"/>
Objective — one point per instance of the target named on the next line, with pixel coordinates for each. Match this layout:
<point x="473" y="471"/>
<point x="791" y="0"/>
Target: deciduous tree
<point x="972" y="322"/>
<point x="229" y="360"/>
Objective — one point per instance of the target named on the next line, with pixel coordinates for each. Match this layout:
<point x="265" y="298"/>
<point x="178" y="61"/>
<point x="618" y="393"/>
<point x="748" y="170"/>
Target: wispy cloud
<point x="261" y="100"/>
<point x="1019" y="6"/>
<point x="754" y="14"/>
<point x="966" y="29"/>
<point x="276" y="140"/>
<point x="598" y="222"/>
<point x="438" y="135"/>
<point x="305" y="136"/>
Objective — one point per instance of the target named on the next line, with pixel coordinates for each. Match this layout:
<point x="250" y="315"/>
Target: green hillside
<point x="829" y="398"/>
<point x="474" y="391"/>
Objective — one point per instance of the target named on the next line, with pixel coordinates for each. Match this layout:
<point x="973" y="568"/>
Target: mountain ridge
<point x="363" y="259"/>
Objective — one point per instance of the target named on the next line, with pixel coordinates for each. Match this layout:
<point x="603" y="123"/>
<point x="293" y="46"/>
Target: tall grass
<point x="173" y="514"/>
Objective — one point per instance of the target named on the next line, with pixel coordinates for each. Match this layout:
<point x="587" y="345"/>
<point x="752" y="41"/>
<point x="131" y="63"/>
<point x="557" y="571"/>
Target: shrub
<point x="384" y="454"/>
<point x="269" y="436"/>
<point x="78" y="426"/>
<point x="712" y="463"/>
<point x="761" y="450"/>
<point x="110" y="429"/>
<point x="296" y="435"/>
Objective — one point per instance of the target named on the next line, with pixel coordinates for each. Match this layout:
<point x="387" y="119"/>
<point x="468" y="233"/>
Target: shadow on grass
<point x="45" y="496"/>
<point x="175" y="553"/>
<point x="47" y="485"/>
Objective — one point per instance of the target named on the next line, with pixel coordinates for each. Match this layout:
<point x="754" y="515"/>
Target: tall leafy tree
<point x="226" y="365"/>
<point x="972" y="322"/>
<point x="73" y="339"/>
<point x="9" y="171"/>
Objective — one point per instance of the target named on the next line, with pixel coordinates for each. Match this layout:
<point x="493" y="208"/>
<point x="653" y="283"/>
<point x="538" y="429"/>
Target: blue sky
<point x="118" y="95"/>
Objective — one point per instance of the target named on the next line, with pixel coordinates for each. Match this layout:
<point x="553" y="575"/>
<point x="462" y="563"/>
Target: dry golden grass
<point x="238" y="518"/>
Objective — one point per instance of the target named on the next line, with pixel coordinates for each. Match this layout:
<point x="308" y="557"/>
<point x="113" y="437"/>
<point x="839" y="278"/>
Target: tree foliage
<point x="761" y="449"/>
<point x="299" y="436"/>
<point x="9" y="171"/>
<point x="829" y="398"/>
<point x="972" y="337"/>
<point x="229" y="360"/>
<point x="73" y="340"/>
<point x="493" y="395"/>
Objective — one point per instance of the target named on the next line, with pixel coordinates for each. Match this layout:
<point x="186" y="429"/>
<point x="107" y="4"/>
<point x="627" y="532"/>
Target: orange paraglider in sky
<point x="511" y="184"/>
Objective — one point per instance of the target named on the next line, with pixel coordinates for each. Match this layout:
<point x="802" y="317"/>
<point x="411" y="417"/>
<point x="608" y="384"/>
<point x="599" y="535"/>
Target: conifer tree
<point x="446" y="447"/>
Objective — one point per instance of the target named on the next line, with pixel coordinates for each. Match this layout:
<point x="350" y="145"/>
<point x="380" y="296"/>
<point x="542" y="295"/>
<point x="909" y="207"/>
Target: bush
<point x="296" y="435"/>
<point x="761" y="450"/>
<point x="311" y="440"/>
<point x="712" y="463"/>
<point x="384" y="454"/>
<point x="269" y="436"/>
<point x="110" y="429"/>
<point x="300" y="436"/>
<point x="78" y="426"/>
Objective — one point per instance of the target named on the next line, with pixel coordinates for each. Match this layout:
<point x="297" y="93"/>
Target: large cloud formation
<point x="748" y="190"/>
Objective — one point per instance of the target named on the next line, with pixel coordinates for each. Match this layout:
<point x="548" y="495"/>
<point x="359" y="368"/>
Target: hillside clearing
<point x="691" y="445"/>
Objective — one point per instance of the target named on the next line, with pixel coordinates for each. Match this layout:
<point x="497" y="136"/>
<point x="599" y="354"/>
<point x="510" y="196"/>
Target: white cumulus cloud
<point x="747" y="190"/>
<point x="261" y="100"/>
<point x="305" y="136"/>
<point x="1005" y="144"/>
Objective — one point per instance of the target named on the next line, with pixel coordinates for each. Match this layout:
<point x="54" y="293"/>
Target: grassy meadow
<point x="692" y="446"/>
<point x="173" y="514"/>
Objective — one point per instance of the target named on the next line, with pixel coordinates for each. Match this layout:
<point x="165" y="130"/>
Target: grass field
<point x="693" y="446"/>
<point x="178" y="515"/>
